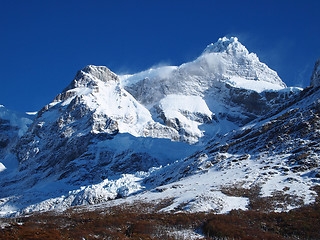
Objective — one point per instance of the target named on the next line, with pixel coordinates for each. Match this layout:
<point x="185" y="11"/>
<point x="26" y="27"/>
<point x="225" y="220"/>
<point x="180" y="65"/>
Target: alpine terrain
<point x="214" y="134"/>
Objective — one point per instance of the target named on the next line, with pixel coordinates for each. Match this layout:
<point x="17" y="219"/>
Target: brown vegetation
<point x="303" y="223"/>
<point x="141" y="221"/>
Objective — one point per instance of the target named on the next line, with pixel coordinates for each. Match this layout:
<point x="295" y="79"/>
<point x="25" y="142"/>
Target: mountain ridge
<point x="164" y="133"/>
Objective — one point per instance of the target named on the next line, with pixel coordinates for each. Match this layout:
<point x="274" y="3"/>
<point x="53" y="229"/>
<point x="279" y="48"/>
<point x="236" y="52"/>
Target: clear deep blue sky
<point x="44" y="43"/>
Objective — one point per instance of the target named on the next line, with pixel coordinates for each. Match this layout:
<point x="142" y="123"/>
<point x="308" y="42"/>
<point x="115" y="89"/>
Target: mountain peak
<point x="229" y="45"/>
<point x="89" y="75"/>
<point x="315" y="78"/>
<point x="100" y="72"/>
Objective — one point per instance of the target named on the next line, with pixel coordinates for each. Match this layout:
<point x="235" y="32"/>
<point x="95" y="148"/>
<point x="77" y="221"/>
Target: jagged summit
<point x="228" y="45"/>
<point x="315" y="78"/>
<point x="89" y="75"/>
<point x="225" y="62"/>
<point x="100" y="72"/>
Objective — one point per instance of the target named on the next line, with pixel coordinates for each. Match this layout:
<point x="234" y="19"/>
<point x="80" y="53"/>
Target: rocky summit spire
<point x="229" y="45"/>
<point x="315" y="78"/>
<point x="100" y="72"/>
<point x="89" y="75"/>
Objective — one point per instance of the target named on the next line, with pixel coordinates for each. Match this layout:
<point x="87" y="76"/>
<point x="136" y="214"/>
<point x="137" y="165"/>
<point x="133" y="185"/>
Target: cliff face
<point x="315" y="78"/>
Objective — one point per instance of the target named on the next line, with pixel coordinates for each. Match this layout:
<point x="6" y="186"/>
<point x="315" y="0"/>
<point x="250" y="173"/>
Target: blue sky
<point x="44" y="43"/>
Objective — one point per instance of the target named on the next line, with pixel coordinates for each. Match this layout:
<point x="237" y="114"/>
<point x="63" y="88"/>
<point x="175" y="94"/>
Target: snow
<point x="113" y="101"/>
<point x="9" y="162"/>
<point x="2" y="167"/>
<point x="153" y="146"/>
<point x="226" y="45"/>
<point x="20" y="120"/>
<point x="203" y="74"/>
<point x="230" y="59"/>
<point x="120" y="105"/>
<point x="32" y="113"/>
<point x="187" y="234"/>
<point x="189" y="110"/>
<point x="49" y="117"/>
<point x="258" y="86"/>
<point x="168" y="87"/>
<point x="291" y="89"/>
<point x="192" y="104"/>
<point x="158" y="73"/>
<point x="195" y="195"/>
<point x="201" y="191"/>
<point x="7" y="209"/>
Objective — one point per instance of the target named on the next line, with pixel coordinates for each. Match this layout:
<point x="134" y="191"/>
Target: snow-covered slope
<point x="275" y="158"/>
<point x="14" y="119"/>
<point x="186" y="133"/>
<point x="12" y="126"/>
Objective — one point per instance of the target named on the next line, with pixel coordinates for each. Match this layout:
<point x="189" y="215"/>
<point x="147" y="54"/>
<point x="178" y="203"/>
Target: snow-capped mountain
<point x="180" y="132"/>
<point x="225" y="79"/>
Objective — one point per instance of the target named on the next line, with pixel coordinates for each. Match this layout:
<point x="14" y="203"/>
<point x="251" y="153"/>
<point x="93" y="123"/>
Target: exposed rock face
<point x="315" y="78"/>
<point x="88" y="76"/>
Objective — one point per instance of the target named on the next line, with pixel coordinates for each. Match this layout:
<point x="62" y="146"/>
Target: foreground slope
<point x="274" y="158"/>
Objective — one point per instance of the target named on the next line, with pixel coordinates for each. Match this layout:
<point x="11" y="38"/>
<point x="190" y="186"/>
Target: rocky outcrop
<point x="315" y="78"/>
<point x="88" y="76"/>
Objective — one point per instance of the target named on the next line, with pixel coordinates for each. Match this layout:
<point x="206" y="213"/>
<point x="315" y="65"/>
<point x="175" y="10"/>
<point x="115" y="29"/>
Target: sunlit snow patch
<point x="2" y="167"/>
<point x="258" y="86"/>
